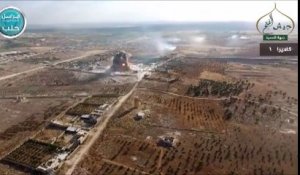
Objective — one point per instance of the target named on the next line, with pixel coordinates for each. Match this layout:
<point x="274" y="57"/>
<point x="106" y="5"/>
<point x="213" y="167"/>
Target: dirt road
<point x="93" y="52"/>
<point x="77" y="157"/>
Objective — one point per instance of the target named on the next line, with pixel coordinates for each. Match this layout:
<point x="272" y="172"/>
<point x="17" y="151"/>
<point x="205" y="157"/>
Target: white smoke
<point x="241" y="37"/>
<point x="234" y="36"/>
<point x="199" y="39"/>
<point x="235" y="40"/>
<point x="244" y="37"/>
<point x="163" y="46"/>
<point x="173" y="40"/>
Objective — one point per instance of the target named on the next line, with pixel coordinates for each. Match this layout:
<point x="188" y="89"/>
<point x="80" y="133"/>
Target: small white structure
<point x="58" y="124"/>
<point x="20" y="99"/>
<point x="82" y="135"/>
<point x="82" y="138"/>
<point x="81" y="132"/>
<point x="103" y="107"/>
<point x="85" y="116"/>
<point x="139" y="116"/>
<point x="72" y="129"/>
<point x="52" y="164"/>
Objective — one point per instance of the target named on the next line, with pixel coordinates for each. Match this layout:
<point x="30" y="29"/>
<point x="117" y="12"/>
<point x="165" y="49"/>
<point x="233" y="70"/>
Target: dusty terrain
<point x="201" y="104"/>
<point x="214" y="135"/>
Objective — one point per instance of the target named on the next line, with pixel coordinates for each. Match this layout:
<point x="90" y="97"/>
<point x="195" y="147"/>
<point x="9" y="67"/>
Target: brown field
<point x="130" y="144"/>
<point x="81" y="109"/>
<point x="183" y="112"/>
<point x="49" y="134"/>
<point x="31" y="154"/>
<point x="208" y="139"/>
<point x="101" y="99"/>
<point x="210" y="108"/>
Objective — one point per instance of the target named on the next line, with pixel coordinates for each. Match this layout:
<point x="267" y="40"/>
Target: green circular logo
<point x="12" y="22"/>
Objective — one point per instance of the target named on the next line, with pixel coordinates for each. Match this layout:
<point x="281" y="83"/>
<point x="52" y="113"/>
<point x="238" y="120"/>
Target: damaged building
<point x="120" y="62"/>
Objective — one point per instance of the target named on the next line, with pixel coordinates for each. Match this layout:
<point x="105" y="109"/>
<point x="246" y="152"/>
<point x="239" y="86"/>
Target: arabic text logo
<point x="12" y="22"/>
<point x="275" y="23"/>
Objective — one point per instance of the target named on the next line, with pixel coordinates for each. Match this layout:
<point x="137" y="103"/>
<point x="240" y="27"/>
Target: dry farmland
<point x="198" y="114"/>
<point x="101" y="99"/>
<point x="81" y="109"/>
<point x="31" y="154"/>
<point x="219" y="125"/>
<point x="193" y="103"/>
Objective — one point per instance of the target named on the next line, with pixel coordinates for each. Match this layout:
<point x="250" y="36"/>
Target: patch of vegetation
<point x="217" y="88"/>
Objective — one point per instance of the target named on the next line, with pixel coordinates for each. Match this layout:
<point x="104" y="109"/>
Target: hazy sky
<point x="70" y="12"/>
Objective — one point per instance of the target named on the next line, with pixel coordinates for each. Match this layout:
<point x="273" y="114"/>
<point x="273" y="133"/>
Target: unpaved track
<point x="55" y="63"/>
<point x="83" y="150"/>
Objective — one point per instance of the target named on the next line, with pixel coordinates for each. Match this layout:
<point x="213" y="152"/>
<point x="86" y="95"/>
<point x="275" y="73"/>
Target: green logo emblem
<point x="275" y="25"/>
<point x="12" y="22"/>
